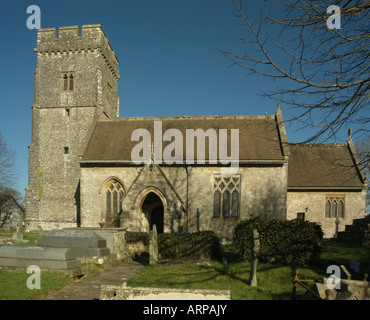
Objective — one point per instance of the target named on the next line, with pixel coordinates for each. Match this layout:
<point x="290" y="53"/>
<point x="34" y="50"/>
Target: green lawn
<point x="274" y="281"/>
<point x="13" y="284"/>
<point x="30" y="236"/>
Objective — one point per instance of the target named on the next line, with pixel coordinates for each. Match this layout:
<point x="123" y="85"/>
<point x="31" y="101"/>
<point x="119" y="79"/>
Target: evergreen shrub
<point x="290" y="242"/>
<point x="203" y="245"/>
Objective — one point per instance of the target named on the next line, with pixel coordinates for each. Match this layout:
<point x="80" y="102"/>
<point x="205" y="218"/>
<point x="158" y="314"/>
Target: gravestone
<point x="153" y="246"/>
<point x="18" y="235"/>
<point x="255" y="250"/>
<point x="48" y="258"/>
<point x="83" y="242"/>
<point x="224" y="263"/>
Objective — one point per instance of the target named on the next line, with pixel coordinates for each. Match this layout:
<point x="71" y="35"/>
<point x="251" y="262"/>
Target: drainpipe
<point x="187" y="168"/>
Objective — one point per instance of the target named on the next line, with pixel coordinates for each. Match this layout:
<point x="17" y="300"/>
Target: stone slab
<point x="62" y="254"/>
<point x="125" y="292"/>
<point x="47" y="258"/>
<point x="115" y="239"/>
<point x="41" y="263"/>
<point x="71" y="239"/>
<point x="91" y="252"/>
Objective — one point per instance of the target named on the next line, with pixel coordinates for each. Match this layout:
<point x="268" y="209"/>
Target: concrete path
<point x="89" y="288"/>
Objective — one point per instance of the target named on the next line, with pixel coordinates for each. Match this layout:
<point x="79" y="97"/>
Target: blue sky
<point x="170" y="61"/>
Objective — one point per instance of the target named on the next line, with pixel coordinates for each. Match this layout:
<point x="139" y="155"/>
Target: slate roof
<point x="323" y="165"/>
<point x="258" y="136"/>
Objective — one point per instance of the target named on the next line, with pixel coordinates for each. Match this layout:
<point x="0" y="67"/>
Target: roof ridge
<point x="189" y="117"/>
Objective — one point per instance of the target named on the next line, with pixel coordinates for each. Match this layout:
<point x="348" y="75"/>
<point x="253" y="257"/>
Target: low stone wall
<point x="125" y="292"/>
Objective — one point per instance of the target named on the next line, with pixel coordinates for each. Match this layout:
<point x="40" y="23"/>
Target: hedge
<point x="290" y="242"/>
<point x="135" y="237"/>
<point x="202" y="245"/>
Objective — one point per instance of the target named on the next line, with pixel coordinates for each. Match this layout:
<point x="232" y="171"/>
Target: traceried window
<point x="68" y="81"/>
<point x="226" y="196"/>
<point x="334" y="207"/>
<point x="113" y="197"/>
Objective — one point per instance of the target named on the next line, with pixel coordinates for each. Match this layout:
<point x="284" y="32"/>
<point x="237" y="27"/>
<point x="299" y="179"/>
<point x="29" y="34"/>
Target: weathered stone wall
<point x="139" y="293"/>
<point x="52" y="194"/>
<point x="263" y="192"/>
<point x="63" y="119"/>
<point x="94" y="180"/>
<point x="354" y="208"/>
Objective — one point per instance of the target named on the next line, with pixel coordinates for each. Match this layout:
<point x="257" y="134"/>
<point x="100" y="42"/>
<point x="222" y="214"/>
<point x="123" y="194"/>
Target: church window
<point x="334" y="207"/>
<point x="68" y="81"/>
<point x="114" y="193"/>
<point x="226" y="196"/>
<point x="71" y="78"/>
<point x="65" y="82"/>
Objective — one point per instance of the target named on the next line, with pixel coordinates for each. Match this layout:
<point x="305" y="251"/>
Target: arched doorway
<point x="153" y="209"/>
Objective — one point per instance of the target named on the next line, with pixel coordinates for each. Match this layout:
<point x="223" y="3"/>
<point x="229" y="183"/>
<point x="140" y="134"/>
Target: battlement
<point x="69" y="40"/>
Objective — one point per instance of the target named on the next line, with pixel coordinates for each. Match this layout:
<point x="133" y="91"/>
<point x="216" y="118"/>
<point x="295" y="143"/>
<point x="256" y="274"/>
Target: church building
<point x="90" y="168"/>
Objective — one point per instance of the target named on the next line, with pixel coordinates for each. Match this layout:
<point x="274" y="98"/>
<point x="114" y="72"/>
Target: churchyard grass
<point x="13" y="284"/>
<point x="30" y="236"/>
<point x="274" y="281"/>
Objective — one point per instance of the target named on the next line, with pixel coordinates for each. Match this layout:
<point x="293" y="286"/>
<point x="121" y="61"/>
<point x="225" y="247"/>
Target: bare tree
<point x="323" y="73"/>
<point x="7" y="166"/>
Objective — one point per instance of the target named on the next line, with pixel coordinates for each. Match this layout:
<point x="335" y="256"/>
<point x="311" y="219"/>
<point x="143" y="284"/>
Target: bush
<point x="135" y="237"/>
<point x="194" y="246"/>
<point x="282" y="241"/>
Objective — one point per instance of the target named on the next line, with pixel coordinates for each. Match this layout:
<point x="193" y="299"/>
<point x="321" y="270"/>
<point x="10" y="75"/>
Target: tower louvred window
<point x="68" y="81"/>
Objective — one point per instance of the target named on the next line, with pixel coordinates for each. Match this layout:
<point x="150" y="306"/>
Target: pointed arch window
<point x="226" y="196"/>
<point x="114" y="193"/>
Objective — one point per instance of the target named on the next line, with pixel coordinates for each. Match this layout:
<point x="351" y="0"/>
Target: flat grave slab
<point x="83" y="242"/>
<point x="47" y="258"/>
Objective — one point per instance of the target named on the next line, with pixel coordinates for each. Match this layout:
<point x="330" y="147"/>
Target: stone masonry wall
<point x="263" y="192"/>
<point x="315" y="202"/>
<point x="62" y="120"/>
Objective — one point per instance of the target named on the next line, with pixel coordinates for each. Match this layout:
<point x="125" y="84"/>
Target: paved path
<point x="89" y="288"/>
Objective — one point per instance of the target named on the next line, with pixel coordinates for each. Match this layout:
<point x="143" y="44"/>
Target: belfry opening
<point x="153" y="210"/>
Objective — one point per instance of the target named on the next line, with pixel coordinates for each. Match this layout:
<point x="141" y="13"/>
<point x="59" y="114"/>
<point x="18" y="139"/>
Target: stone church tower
<point x="75" y="85"/>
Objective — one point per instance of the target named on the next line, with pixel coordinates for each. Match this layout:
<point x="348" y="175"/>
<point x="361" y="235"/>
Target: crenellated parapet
<point x="69" y="40"/>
